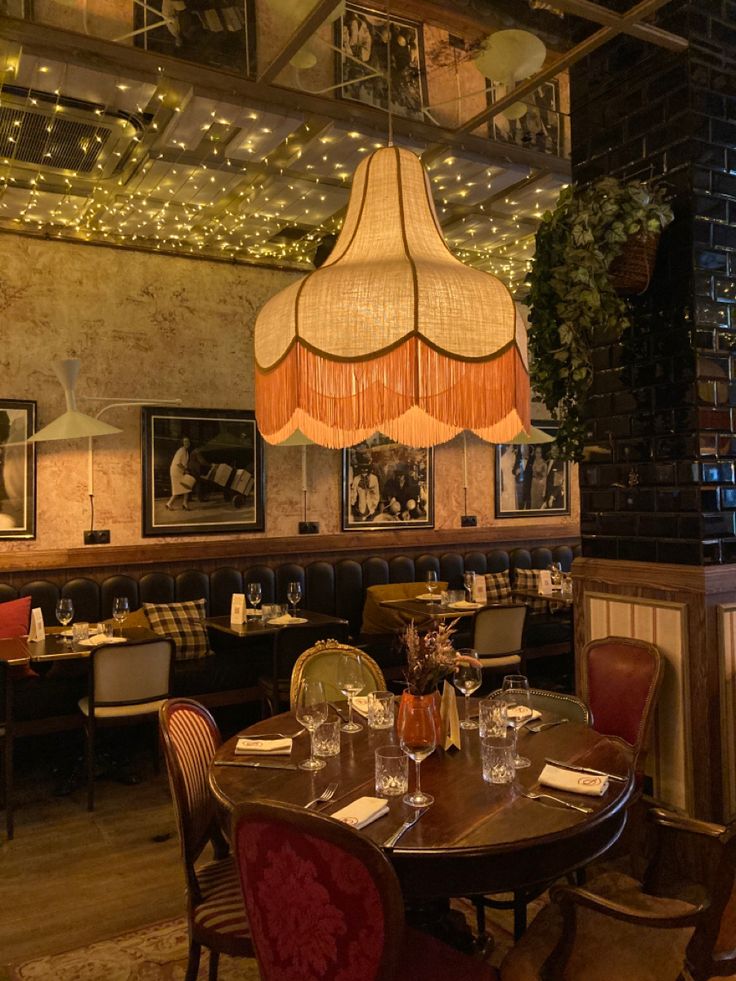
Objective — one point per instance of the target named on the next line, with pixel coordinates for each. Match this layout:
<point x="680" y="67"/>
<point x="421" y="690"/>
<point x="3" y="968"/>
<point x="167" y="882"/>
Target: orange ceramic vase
<point x="433" y="699"/>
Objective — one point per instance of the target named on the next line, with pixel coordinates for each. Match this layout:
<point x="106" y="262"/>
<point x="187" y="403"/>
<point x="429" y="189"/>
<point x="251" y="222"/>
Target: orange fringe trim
<point x="412" y="393"/>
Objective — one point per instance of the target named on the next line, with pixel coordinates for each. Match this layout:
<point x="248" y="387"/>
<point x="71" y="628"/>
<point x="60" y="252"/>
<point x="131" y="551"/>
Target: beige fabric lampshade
<point x="393" y="333"/>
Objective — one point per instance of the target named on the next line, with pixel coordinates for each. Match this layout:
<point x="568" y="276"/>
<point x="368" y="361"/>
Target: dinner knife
<point x="267" y="764"/>
<point x="586" y="769"/>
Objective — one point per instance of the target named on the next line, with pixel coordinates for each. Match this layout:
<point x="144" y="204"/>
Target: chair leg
<point x="214" y="963"/>
<point x="8" y="785"/>
<point x="90" y="765"/>
<point x="195" y="952"/>
<point x="156" y="750"/>
<point x="480" y="917"/>
<point x="520" y="901"/>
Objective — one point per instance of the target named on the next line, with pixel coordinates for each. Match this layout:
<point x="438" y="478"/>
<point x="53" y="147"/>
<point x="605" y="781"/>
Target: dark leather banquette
<point x="336" y="588"/>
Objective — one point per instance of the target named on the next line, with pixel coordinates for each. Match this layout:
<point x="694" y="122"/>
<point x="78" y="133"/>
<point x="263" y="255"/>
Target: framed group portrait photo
<point x="385" y="483"/>
<point x="17" y="469"/>
<point x="202" y="471"/>
<point x="369" y="47"/>
<point x="531" y="481"/>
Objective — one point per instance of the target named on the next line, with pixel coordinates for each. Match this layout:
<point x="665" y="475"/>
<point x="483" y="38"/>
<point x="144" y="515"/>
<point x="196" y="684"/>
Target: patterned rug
<point x="159" y="953"/>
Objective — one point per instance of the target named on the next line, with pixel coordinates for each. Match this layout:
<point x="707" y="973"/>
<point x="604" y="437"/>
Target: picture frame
<point x="387" y="485"/>
<point x="540" y="128"/>
<point x="17" y="469"/>
<point x="213" y="485"/>
<point x="530" y="481"/>
<point x="13" y="8"/>
<point x="213" y="34"/>
<point x="360" y="37"/>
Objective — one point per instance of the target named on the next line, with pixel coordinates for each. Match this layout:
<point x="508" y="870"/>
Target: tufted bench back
<point x="327" y="587"/>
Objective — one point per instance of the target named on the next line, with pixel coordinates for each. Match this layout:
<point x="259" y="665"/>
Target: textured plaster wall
<point x="148" y="326"/>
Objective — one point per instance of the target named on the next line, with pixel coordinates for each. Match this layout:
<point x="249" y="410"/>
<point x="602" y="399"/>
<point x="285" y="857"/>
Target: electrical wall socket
<point x="97" y="537"/>
<point x="309" y="527"/>
<point x="468" y="521"/>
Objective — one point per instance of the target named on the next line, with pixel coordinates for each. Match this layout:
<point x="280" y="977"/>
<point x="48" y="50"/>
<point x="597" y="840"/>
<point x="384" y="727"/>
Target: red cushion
<point x="15" y="621"/>
<point x="15" y="617"/>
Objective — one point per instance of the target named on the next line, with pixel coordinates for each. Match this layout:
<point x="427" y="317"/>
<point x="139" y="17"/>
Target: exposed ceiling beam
<point x="601" y="15"/>
<point x="580" y="51"/>
<point x="317" y="16"/>
<point x="108" y="57"/>
<point x="454" y="212"/>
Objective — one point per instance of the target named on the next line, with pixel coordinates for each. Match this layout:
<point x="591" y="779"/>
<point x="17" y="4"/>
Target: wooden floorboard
<point x="70" y="877"/>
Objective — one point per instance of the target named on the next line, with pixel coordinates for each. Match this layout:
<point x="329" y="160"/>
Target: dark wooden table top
<point x="254" y="627"/>
<point x="476" y="837"/>
<point x="21" y="650"/>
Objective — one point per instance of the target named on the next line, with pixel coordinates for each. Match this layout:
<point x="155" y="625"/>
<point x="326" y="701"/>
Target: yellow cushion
<point x="379" y="619"/>
<point x="136" y="618"/>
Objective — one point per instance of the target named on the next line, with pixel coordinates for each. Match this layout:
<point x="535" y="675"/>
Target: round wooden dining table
<point x="476" y="838"/>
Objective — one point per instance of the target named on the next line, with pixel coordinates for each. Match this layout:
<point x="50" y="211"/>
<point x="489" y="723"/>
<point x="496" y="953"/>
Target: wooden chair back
<point x="127" y="675"/>
<point x="497" y="630"/>
<point x="322" y="661"/>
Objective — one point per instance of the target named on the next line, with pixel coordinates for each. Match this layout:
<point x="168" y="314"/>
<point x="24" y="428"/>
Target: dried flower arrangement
<point x="430" y="657"/>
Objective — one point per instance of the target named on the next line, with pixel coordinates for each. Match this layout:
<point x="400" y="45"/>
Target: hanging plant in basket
<point x="598" y="243"/>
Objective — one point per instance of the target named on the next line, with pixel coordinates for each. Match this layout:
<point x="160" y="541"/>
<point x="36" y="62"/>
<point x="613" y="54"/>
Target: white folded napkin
<point x="573" y="782"/>
<point x="99" y="639"/>
<point x="272" y="747"/>
<point x="517" y="711"/>
<point x="465" y="605"/>
<point x="360" y="704"/>
<point x="285" y="619"/>
<point x="428" y="597"/>
<point x="362" y="811"/>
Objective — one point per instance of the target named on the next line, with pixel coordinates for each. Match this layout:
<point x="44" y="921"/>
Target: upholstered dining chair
<point x="557" y="703"/>
<point x="289" y="644"/>
<point x="497" y="633"/>
<point x="677" y="924"/>
<point x="215" y="913"/>
<point x="325" y="903"/>
<point x="322" y="661"/>
<point x="127" y="684"/>
<point x="620" y="682"/>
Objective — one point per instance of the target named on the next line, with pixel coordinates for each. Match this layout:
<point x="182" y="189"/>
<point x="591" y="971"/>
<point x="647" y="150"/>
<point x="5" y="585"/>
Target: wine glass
<point x="311" y="712"/>
<point x="65" y="612"/>
<point x="469" y="583"/>
<point x="431" y="581"/>
<point x="418" y="739"/>
<point x="254" y="595"/>
<point x="515" y="692"/>
<point x="294" y="594"/>
<point x="350" y="681"/>
<point x="467" y="679"/>
<point x="120" y="610"/>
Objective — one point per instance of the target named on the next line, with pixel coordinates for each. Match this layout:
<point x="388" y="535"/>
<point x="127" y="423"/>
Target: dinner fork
<point x="558" y="800"/>
<point x="327" y="794"/>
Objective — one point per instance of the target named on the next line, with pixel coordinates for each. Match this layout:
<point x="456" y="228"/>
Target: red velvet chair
<point x="621" y="679"/>
<point x="215" y="914"/>
<point x="324" y="904"/>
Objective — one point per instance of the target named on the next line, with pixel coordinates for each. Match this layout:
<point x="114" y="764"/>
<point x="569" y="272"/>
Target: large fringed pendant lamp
<point x="393" y="333"/>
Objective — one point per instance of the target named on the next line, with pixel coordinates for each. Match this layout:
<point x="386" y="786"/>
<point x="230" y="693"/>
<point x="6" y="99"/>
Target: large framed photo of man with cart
<point x="385" y="483"/>
<point x="202" y="471"/>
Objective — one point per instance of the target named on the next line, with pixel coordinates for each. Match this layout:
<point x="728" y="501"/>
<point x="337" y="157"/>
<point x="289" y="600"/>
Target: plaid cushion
<point x="528" y="580"/>
<point x="184" y="624"/>
<point x="498" y="587"/>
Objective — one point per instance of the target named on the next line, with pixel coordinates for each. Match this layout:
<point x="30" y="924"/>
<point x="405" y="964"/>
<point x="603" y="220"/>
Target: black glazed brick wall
<point x="658" y="481"/>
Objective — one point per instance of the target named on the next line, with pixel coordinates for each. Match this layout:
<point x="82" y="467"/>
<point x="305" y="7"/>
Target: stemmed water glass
<point x="255" y="595"/>
<point x="418" y="739"/>
<point x="515" y="692"/>
<point x="311" y="712"/>
<point x="120" y="610"/>
<point x="64" y="612"/>
<point x="294" y="594"/>
<point x="467" y="679"/>
<point x="469" y="583"/>
<point x="350" y="681"/>
<point x="431" y="581"/>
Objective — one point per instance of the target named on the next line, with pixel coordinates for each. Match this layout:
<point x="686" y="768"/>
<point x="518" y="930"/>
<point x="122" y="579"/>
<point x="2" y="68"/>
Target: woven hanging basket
<point x="632" y="271"/>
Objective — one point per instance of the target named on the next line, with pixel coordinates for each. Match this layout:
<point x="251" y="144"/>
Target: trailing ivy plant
<point x="573" y="305"/>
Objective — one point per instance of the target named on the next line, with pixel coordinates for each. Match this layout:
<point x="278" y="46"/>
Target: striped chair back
<point x="190" y="738"/>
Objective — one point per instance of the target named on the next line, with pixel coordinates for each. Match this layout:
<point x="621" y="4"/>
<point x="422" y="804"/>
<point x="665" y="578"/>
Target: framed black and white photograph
<point x="217" y="33"/>
<point x="367" y="42"/>
<point x="17" y="469"/>
<point x="387" y="483"/>
<point x="13" y="8"/>
<point x="539" y="127"/>
<point x="202" y="471"/>
<point x="530" y="480"/>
